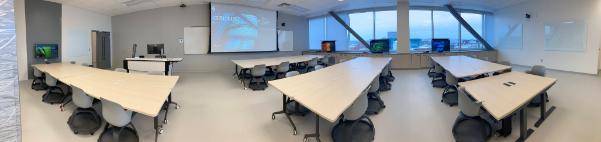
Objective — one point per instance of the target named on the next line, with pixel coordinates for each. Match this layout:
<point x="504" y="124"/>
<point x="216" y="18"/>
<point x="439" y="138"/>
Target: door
<point x="103" y="50"/>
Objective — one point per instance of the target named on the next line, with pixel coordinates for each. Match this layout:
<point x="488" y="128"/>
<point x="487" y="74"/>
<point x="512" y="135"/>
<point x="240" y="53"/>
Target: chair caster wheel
<point x="165" y="121"/>
<point x="76" y="132"/>
<point x="91" y="133"/>
<point x="294" y="132"/>
<point x="272" y="117"/>
<point x="161" y="131"/>
<point x="305" y="140"/>
<point x="177" y="106"/>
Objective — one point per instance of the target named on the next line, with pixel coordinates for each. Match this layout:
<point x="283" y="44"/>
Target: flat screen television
<point x="379" y="46"/>
<point x="441" y="45"/>
<point x="155" y="48"/>
<point x="328" y="46"/>
<point x="46" y="51"/>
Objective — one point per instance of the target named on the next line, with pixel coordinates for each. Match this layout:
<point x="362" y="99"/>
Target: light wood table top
<point x="463" y="66"/>
<point x="328" y="92"/>
<point x="250" y="63"/>
<point x="140" y="93"/>
<point x="501" y="100"/>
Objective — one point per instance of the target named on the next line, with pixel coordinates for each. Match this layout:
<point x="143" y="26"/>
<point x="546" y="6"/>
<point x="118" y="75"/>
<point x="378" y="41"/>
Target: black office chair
<point x="355" y="126"/>
<point x="449" y="95"/>
<point x="84" y="120"/>
<point x="439" y="81"/>
<point x="375" y="103"/>
<point x="38" y="82"/>
<point x="258" y="73"/>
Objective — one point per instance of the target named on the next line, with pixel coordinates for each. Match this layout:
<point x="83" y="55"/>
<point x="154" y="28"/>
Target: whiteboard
<point x="285" y="40"/>
<point x="196" y="40"/>
<point x="565" y="36"/>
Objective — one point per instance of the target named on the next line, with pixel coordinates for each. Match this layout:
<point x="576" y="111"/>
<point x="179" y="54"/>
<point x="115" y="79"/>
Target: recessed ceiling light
<point x="340" y="0"/>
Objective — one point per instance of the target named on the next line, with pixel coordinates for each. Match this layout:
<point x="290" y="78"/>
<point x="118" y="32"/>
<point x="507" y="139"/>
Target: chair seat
<point x="468" y="129"/>
<point x="361" y="132"/>
<point x="126" y="135"/>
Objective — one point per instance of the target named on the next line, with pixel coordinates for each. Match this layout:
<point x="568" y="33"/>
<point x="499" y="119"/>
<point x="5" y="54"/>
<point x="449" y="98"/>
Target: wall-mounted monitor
<point x="328" y="46"/>
<point x="441" y="45"/>
<point x="46" y="51"/>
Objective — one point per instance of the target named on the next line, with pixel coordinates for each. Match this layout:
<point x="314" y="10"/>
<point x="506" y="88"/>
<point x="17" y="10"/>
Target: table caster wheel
<point x="161" y="131"/>
<point x="165" y="121"/>
<point x="294" y="132"/>
<point x="272" y="117"/>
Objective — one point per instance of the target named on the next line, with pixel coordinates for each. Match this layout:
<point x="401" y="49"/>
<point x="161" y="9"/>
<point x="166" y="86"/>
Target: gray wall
<point x="9" y="92"/>
<point x="166" y="25"/>
<point x="43" y="26"/>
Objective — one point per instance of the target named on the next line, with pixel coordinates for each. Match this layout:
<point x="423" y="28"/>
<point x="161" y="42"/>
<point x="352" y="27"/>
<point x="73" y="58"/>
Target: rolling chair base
<point x="361" y="132"/>
<point x="468" y="129"/>
<point x="54" y="98"/>
<point x="126" y="135"/>
<point x="450" y="98"/>
<point x="374" y="107"/>
<point x="84" y="121"/>
<point x="38" y="84"/>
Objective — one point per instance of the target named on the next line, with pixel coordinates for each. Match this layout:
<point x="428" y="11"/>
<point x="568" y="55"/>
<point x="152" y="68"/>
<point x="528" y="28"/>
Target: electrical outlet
<point x="180" y="40"/>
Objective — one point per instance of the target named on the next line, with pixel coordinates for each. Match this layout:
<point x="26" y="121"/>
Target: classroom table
<point x="328" y="92"/>
<point x="464" y="66"/>
<point x="246" y="64"/>
<point x="504" y="94"/>
<point x="140" y="93"/>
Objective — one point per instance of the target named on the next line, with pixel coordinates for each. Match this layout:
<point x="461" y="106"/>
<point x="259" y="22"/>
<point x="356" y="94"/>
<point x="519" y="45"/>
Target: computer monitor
<point x="155" y="48"/>
<point x="379" y="46"/>
<point x="441" y="45"/>
<point x="328" y="46"/>
<point x="46" y="51"/>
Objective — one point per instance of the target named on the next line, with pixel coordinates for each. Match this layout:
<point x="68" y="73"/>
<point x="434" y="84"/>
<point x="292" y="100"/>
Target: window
<point x="363" y="24"/>
<point x="420" y="29"/>
<point x="468" y="41"/>
<point x="427" y="24"/>
<point x="385" y="28"/>
<point x="317" y="32"/>
<point x="446" y="26"/>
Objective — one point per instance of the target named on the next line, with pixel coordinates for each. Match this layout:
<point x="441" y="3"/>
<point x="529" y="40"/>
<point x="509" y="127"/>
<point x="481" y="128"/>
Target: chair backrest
<point x="317" y="67"/>
<point x="450" y="79"/>
<point x="358" y="108"/>
<point x="467" y="105"/>
<point x="258" y="70"/>
<point x="120" y="70"/>
<point x="283" y="67"/>
<point x="312" y="62"/>
<point x="292" y="73"/>
<point x="50" y="81"/>
<point x="155" y="73"/>
<point x="80" y="99"/>
<point x="326" y="60"/>
<point x="375" y="85"/>
<point x="37" y="73"/>
<point x="438" y="68"/>
<point x="386" y="70"/>
<point x="114" y="113"/>
<point x="538" y="70"/>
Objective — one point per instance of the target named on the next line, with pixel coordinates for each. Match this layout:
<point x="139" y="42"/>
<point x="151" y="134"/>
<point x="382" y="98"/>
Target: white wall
<point x="21" y="38"/>
<point x="533" y="52"/>
<point x="77" y="26"/>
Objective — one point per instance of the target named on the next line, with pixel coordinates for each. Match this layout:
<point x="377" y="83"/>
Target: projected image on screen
<point x="237" y="28"/>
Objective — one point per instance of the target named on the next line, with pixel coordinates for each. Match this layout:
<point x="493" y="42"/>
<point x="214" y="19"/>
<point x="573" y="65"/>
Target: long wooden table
<point x="504" y="94"/>
<point x="463" y="66"/>
<point x="250" y="63"/>
<point x="140" y="93"/>
<point x="330" y="91"/>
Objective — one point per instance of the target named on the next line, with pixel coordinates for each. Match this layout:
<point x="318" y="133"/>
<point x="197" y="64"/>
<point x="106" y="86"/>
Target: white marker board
<point x="196" y="40"/>
<point x="285" y="40"/>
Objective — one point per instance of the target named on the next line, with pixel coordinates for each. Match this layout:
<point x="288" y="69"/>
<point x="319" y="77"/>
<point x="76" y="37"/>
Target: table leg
<point x="524" y="131"/>
<point x="235" y="72"/>
<point x="316" y="134"/>
<point x="543" y="110"/>
<point x="285" y="112"/>
<point x="157" y="128"/>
